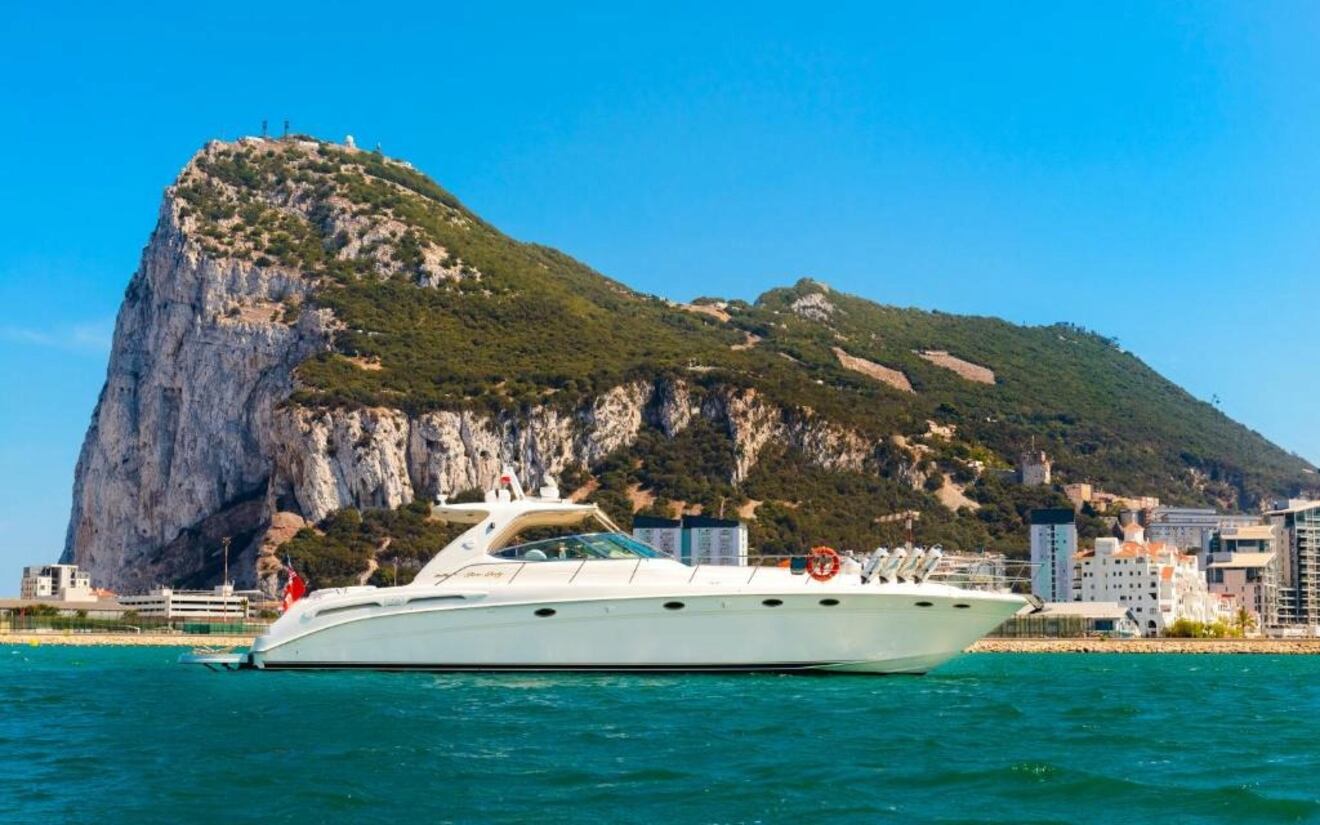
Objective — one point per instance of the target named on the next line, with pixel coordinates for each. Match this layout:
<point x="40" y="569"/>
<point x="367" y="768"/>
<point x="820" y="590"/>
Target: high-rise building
<point x="1053" y="545"/>
<point x="1297" y="541"/>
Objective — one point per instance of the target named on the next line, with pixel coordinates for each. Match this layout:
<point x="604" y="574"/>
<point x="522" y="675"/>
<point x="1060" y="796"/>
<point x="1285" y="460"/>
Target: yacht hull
<point x="852" y="631"/>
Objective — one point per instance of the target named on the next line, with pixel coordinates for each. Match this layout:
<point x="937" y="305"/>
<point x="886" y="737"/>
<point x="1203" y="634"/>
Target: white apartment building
<point x="695" y="539"/>
<point x="1155" y="581"/>
<point x="56" y="582"/>
<point x="1053" y="546"/>
<point x="167" y="603"/>
<point x="664" y="534"/>
<point x="715" y="541"/>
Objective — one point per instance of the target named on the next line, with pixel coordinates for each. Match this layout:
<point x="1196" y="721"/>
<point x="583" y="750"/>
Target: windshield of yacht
<point x="581" y="546"/>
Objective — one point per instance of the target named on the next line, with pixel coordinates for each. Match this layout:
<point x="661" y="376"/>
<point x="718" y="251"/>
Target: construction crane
<point x="905" y="516"/>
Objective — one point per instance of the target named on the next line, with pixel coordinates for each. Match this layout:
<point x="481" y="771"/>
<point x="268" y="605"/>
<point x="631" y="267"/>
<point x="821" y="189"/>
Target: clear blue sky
<point x="1151" y="171"/>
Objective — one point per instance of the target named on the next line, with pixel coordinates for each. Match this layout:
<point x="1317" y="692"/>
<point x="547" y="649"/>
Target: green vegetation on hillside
<point x="338" y="553"/>
<point x="507" y="326"/>
<point x="1101" y="414"/>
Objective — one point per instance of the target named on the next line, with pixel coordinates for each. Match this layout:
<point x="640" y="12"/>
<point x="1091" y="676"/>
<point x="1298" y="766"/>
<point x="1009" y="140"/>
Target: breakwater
<point x="1274" y="647"/>
<point x="1259" y="646"/>
<point x="123" y="640"/>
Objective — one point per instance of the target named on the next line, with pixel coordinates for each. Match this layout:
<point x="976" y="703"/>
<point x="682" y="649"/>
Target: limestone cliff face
<point x="195" y="437"/>
<point x="183" y="426"/>
<point x="329" y="459"/>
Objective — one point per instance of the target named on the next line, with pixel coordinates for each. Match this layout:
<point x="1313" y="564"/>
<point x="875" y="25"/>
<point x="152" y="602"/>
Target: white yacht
<point x="599" y="600"/>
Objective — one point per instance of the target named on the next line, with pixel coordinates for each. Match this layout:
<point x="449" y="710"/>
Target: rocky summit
<point x="318" y="336"/>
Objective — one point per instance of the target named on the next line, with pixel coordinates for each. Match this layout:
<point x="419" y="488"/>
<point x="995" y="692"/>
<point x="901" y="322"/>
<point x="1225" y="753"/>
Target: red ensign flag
<point x="294" y="589"/>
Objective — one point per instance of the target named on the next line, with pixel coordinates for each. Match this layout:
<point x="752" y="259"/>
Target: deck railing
<point x="971" y="572"/>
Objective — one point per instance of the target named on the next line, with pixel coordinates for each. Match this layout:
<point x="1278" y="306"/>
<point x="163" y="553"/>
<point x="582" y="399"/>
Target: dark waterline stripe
<point x="795" y="667"/>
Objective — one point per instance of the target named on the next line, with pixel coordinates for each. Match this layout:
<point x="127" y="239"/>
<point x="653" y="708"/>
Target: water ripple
<point x="127" y="735"/>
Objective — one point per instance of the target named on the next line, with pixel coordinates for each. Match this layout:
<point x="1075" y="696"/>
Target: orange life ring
<point x="823" y="563"/>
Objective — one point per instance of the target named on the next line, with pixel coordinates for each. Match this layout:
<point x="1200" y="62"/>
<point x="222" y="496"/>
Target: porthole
<point x="772" y="602"/>
<point x="545" y="612"/>
<point x="925" y="604"/>
<point x="829" y="602"/>
<point x="962" y="606"/>
<point x="674" y="605"/>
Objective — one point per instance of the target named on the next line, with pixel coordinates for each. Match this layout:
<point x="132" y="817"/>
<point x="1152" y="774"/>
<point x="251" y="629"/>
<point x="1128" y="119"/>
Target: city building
<point x="1251" y="581"/>
<point x="167" y="603"/>
<point x="1078" y="493"/>
<point x="1034" y="468"/>
<point x="1155" y="581"/>
<point x="695" y="539"/>
<point x="1083" y="493"/>
<point x="1246" y="538"/>
<point x="1072" y="619"/>
<point x="1053" y="546"/>
<point x="664" y="534"/>
<point x="1191" y="528"/>
<point x="1100" y="500"/>
<point x="56" y="582"/>
<point x="1297" y="542"/>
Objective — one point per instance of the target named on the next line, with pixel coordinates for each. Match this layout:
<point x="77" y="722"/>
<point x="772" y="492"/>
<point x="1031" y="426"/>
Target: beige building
<point x="1251" y="581"/>
<point x="1078" y="494"/>
<point x="56" y="582"/>
<point x="1082" y="493"/>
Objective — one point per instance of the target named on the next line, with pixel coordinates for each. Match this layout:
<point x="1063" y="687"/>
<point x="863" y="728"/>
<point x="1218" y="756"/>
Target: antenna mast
<point x="225" y="582"/>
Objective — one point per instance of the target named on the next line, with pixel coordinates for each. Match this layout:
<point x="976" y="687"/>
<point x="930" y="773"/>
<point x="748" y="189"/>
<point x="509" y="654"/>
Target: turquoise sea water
<point x="111" y="735"/>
